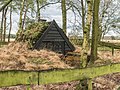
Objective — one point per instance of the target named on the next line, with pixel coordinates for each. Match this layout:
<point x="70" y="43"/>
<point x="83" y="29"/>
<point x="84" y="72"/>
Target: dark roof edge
<point x="37" y="45"/>
<point x="64" y="36"/>
<point x="40" y="39"/>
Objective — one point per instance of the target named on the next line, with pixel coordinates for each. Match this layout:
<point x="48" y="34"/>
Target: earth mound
<point x="16" y="56"/>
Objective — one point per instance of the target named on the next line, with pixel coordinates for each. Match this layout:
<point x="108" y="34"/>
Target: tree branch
<point x="5" y="5"/>
<point x="48" y="4"/>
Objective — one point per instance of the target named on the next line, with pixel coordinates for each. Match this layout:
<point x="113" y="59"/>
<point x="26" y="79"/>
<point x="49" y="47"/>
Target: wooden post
<point x="63" y="47"/>
<point x="112" y="50"/>
<point x="53" y="45"/>
<point x="84" y="84"/>
<point x="28" y="87"/>
<point x="89" y="81"/>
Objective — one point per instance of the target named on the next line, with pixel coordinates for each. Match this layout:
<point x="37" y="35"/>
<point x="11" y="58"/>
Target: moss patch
<point x="33" y="32"/>
<point x="104" y="48"/>
<point x="39" y="61"/>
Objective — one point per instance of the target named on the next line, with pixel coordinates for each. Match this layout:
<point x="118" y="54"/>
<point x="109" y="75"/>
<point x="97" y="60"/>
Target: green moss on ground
<point x="104" y="48"/>
<point x="39" y="61"/>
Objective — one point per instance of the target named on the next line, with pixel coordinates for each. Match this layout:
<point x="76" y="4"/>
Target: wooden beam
<point x="90" y="84"/>
<point x="76" y="74"/>
<point x="10" y="78"/>
<point x="107" y="44"/>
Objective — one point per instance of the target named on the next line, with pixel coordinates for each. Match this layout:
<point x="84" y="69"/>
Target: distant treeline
<point x="104" y="38"/>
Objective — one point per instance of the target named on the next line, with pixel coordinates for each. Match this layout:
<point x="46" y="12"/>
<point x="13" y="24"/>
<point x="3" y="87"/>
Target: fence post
<point x="89" y="81"/>
<point x="29" y="81"/>
<point x="112" y="50"/>
<point x="28" y="87"/>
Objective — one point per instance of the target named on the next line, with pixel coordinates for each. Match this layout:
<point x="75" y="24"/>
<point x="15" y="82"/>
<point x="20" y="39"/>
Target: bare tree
<point x="10" y="24"/>
<point x="1" y="31"/>
<point x="86" y="34"/>
<point x="19" y="33"/>
<point x="108" y="14"/>
<point x="5" y="5"/>
<point x="95" y="31"/>
<point x="64" y="15"/>
<point x="4" y="36"/>
<point x="38" y="10"/>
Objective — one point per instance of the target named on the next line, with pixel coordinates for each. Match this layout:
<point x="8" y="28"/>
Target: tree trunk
<point x="83" y="15"/>
<point x="99" y="33"/>
<point x="86" y="34"/>
<point x="64" y="15"/>
<point x="38" y="11"/>
<point x="19" y="33"/>
<point x="95" y="31"/>
<point x="1" y="33"/>
<point x="90" y="87"/>
<point x="10" y="24"/>
<point x="24" y="19"/>
<point x="4" y="36"/>
<point x="21" y="14"/>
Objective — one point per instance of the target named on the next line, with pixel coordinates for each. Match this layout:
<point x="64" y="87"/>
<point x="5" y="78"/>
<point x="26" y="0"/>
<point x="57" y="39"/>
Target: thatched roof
<point x="55" y="34"/>
<point x="34" y="31"/>
<point x="37" y="33"/>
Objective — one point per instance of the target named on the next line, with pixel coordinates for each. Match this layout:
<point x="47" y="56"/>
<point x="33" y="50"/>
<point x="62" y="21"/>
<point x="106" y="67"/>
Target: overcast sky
<point x="54" y="12"/>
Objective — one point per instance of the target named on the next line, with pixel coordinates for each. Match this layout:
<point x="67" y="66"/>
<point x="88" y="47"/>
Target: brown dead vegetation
<point x="106" y="82"/>
<point x="16" y="56"/>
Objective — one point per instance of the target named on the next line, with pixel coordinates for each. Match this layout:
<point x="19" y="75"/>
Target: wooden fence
<point x="13" y="77"/>
<point x="101" y="43"/>
<point x="110" y="45"/>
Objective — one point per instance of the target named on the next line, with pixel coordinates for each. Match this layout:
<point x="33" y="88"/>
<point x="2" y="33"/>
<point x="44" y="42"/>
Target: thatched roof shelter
<point x="48" y="35"/>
